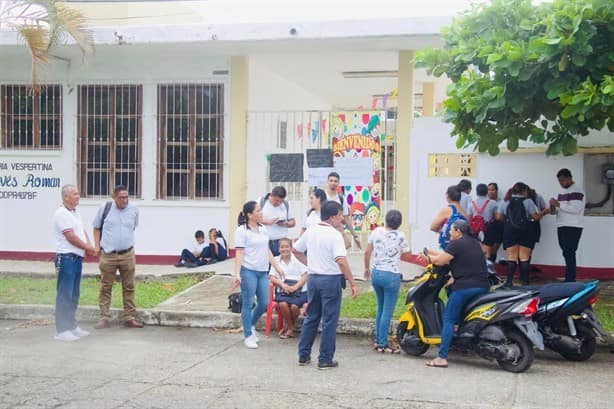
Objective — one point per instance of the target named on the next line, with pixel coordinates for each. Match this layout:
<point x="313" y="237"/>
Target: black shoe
<point x="179" y="265"/>
<point x="328" y="365"/>
<point x="304" y="360"/>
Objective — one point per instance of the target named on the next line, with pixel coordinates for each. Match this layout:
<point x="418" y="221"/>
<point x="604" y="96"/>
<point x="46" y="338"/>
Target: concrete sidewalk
<point x="203" y="305"/>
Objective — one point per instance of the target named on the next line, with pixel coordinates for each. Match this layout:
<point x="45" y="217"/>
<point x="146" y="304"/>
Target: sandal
<point x="388" y="350"/>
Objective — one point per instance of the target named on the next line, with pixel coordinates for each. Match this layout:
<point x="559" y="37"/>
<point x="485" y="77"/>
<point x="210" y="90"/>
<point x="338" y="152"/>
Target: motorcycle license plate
<point x="531" y="331"/>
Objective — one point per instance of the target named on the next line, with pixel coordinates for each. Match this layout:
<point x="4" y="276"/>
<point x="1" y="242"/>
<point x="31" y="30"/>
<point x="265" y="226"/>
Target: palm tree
<point x="42" y="25"/>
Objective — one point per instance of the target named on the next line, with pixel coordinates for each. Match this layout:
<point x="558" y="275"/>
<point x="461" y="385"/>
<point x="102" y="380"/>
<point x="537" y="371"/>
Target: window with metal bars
<point x="30" y="121"/>
<point x="191" y="141"/>
<point x="109" y="138"/>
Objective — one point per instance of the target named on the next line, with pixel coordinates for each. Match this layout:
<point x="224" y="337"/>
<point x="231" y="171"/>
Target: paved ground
<point x="165" y="367"/>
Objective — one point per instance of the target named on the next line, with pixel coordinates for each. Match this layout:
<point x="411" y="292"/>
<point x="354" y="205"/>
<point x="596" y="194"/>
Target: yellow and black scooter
<point x="496" y="326"/>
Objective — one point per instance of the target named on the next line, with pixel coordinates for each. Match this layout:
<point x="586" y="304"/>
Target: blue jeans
<point x="457" y="300"/>
<point x="324" y="298"/>
<point x="68" y="267"/>
<point x="386" y="285"/>
<point x="253" y="283"/>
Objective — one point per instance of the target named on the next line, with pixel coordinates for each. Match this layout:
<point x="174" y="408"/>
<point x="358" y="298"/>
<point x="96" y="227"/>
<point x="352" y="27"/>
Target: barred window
<point x="109" y="135"/>
<point x="191" y="141"/>
<point x="31" y="121"/>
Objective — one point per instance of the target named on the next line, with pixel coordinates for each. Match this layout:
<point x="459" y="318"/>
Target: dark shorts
<point x="298" y="300"/>
<point x="494" y="233"/>
<point x="513" y="237"/>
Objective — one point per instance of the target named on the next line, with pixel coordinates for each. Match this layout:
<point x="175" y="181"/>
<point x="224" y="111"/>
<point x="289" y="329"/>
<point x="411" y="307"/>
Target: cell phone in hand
<point x="280" y="221"/>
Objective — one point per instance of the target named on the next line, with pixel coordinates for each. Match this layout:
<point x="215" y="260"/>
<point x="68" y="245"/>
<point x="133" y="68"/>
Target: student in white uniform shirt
<point x="316" y="200"/>
<point x="332" y="195"/>
<point x="252" y="261"/>
<point x="291" y="292"/>
<point x="277" y="216"/>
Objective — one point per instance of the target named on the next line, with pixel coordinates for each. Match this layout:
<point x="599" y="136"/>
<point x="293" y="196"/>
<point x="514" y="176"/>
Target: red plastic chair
<point x="269" y="312"/>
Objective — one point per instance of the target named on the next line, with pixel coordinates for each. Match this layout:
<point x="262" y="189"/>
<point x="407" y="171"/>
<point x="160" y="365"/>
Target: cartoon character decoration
<point x="374" y="216"/>
<point x="357" y="213"/>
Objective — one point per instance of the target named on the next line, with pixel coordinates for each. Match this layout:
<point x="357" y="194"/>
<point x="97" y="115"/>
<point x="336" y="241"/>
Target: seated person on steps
<point x="190" y="258"/>
<point x="217" y="248"/>
<point x="291" y="293"/>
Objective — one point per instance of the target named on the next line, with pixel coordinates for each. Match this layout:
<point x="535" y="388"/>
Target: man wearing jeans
<point x="114" y="238"/>
<point x="72" y="243"/>
<point x="326" y="267"/>
<point x="569" y="209"/>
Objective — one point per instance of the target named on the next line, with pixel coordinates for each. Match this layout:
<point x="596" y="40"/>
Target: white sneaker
<point x="255" y="334"/>
<point x="79" y="332"/>
<point x="250" y="342"/>
<point x="66" y="336"/>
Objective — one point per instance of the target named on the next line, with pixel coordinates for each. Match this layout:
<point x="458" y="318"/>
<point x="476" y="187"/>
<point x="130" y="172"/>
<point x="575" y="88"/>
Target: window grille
<point x="109" y="137"/>
<point x="191" y="141"/>
<point x="31" y="121"/>
<point x="452" y="165"/>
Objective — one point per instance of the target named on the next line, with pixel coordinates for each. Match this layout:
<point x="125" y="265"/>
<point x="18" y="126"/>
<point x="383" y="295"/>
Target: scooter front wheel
<point x="409" y="341"/>
<point x="524" y="353"/>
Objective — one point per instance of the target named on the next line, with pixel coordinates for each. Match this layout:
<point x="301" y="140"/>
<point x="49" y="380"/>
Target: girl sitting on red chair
<point x="291" y="293"/>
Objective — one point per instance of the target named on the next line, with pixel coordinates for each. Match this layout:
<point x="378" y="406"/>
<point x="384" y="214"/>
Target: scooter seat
<point x="549" y="292"/>
<point x="490" y="297"/>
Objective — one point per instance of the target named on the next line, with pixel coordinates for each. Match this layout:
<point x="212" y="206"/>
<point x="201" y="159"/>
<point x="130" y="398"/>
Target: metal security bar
<point x="190" y="141"/>
<point x="31" y="121"/>
<point x="109" y="137"/>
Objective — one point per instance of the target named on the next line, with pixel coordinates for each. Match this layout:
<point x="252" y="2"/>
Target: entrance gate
<point x="287" y="132"/>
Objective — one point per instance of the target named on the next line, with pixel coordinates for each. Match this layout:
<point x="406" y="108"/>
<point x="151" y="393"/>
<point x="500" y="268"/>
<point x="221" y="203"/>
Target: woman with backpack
<point x="517" y="212"/>
<point x="453" y="211"/>
<point x="481" y="213"/>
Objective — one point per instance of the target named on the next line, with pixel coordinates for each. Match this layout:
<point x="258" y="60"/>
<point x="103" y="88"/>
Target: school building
<point x="189" y="104"/>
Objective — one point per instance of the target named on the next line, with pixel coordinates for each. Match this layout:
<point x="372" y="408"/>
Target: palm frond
<point x="73" y="22"/>
<point x="37" y="41"/>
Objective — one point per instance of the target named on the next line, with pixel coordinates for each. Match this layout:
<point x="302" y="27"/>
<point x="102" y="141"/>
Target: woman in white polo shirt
<point x="252" y="261"/>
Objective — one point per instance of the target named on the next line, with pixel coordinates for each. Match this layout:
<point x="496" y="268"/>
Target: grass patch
<point x="148" y="294"/>
<point x="605" y="311"/>
<point x="365" y="305"/>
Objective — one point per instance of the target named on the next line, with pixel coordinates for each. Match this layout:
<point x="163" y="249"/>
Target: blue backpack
<point x="444" y="234"/>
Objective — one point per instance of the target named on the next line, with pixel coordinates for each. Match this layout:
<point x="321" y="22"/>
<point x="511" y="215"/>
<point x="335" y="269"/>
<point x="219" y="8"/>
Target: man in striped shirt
<point x="569" y="210"/>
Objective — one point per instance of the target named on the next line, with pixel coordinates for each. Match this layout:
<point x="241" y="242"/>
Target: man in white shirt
<point x="326" y="267"/>
<point x="72" y="243"/>
<point x="332" y="184"/>
<point x="569" y="209"/>
<point x="277" y="216"/>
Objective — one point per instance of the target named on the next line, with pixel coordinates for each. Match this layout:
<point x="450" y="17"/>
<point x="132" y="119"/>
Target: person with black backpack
<point x="517" y="212"/>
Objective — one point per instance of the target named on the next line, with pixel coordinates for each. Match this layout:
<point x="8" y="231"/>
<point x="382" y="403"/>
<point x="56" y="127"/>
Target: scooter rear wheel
<point x="587" y="349"/>
<point x="415" y="348"/>
<point x="525" y="353"/>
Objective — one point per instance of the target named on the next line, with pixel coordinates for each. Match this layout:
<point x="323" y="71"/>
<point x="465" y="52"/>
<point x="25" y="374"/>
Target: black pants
<point x="569" y="237"/>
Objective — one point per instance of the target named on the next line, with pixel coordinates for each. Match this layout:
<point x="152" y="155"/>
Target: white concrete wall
<point x="165" y="226"/>
<point x="430" y="135"/>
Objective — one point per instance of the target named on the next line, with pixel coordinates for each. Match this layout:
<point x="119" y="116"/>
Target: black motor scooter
<point x="566" y="319"/>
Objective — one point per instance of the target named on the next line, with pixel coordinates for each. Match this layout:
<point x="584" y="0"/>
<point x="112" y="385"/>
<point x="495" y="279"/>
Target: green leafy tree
<point x="42" y="25"/>
<point x="542" y="73"/>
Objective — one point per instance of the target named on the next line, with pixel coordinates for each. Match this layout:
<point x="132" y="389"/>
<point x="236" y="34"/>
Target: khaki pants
<point x="109" y="264"/>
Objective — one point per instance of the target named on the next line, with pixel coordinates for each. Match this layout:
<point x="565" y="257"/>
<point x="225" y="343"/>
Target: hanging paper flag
<point x="324" y="126"/>
<point x="308" y="129"/>
<point x="384" y="101"/>
<point x="374" y="103"/>
<point x="394" y="93"/>
<point x="315" y="131"/>
<point x="299" y="130"/>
